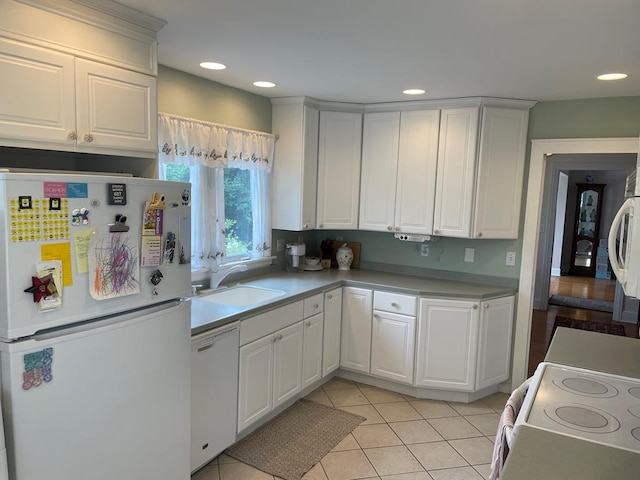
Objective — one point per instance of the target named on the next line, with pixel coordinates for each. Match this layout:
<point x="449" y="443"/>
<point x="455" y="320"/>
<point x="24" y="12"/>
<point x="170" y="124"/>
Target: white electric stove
<point x="584" y="405"/>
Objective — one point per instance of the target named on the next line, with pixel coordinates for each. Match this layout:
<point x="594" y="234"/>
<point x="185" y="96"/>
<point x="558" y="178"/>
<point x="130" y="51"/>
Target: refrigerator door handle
<point x="616" y="257"/>
<point x="107" y="321"/>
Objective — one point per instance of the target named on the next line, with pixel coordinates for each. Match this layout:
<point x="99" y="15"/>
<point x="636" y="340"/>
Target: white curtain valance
<point x="191" y="142"/>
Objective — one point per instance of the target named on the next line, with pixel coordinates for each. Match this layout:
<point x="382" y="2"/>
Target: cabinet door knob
<point x="88" y="137"/>
<point x="315" y="306"/>
<point x="308" y="324"/>
<point x="397" y="229"/>
<point x="279" y="337"/>
<point x="479" y="234"/>
<point x="436" y="231"/>
<point x="389" y="228"/>
<point x="305" y="226"/>
<point x="73" y="135"/>
<point x="475" y="306"/>
<point x="273" y="339"/>
<point x="321" y="226"/>
<point x="394" y="304"/>
<point x="375" y="315"/>
<point x="486" y="305"/>
<point x="329" y="296"/>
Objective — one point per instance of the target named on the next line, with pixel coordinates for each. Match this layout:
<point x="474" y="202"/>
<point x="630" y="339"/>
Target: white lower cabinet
<point x="312" y="349"/>
<point x="392" y="346"/>
<point x="270" y="373"/>
<point x="494" y="342"/>
<point x="464" y="345"/>
<point x="287" y="363"/>
<point x="332" y="325"/>
<point x="447" y="344"/>
<point x="255" y="384"/>
<point x="355" y="342"/>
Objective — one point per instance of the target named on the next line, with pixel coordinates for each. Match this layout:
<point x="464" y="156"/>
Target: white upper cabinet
<point x="399" y="158"/>
<point x="82" y="83"/>
<point x="296" y="165"/>
<point x="116" y="109"/>
<point x="417" y="163"/>
<point x="41" y="103"/>
<point x="339" y="170"/>
<point x="456" y="172"/>
<point x="500" y="172"/>
<point x="480" y="172"/>
<point x="380" y="139"/>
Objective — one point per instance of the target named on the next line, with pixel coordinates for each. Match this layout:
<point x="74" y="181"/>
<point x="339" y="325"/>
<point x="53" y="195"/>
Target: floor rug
<point x="600" y="327"/>
<point x="585" y="303"/>
<point x="294" y="441"/>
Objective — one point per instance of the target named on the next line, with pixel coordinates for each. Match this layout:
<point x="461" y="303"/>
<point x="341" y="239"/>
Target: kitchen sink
<point x="242" y="295"/>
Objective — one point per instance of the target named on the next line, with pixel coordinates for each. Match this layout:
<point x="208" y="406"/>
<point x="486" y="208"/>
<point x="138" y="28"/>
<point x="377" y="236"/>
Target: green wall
<point x="591" y="118"/>
<point x="191" y="96"/>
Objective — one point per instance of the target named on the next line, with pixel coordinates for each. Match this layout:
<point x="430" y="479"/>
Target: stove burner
<point x="635" y="433"/>
<point x="586" y="387"/>
<point x="582" y="417"/>
<point x="634" y="410"/>
<point x="635" y="391"/>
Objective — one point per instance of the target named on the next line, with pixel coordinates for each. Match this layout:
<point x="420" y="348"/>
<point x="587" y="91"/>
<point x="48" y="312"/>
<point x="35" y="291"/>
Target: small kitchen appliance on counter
<point x="295" y="257"/>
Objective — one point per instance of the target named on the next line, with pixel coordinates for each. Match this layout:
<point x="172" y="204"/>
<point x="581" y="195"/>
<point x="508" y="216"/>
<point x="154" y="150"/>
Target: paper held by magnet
<point x="151" y="251"/>
<point x="62" y="252"/>
<point x="81" y="242"/>
<point x="152" y="221"/>
<point x="51" y="268"/>
<point x="114" y="265"/>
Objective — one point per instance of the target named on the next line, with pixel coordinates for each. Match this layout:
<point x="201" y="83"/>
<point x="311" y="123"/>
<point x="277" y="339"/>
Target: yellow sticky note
<point x="81" y="242"/>
<point x="62" y="252"/>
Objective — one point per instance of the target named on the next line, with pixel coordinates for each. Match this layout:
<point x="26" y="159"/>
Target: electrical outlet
<point x="424" y="250"/>
<point x="280" y="245"/>
<point x="339" y="238"/>
<point x="469" y="254"/>
<point x="511" y="259"/>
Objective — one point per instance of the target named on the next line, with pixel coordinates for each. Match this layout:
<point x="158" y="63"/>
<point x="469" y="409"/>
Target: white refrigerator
<point x="624" y="237"/>
<point x="95" y="326"/>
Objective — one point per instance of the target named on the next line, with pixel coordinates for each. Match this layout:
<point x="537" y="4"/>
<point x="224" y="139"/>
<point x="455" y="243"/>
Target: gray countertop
<point x="207" y="315"/>
<point x="595" y="351"/>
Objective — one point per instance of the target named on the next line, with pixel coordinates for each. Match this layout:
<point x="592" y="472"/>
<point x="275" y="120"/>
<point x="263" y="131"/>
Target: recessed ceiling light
<point x="213" y="66"/>
<point x="264" y="84"/>
<point x="612" y="76"/>
<point x="414" y="91"/>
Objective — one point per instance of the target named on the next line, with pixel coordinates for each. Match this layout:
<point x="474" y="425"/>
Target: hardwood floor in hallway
<point x="573" y="286"/>
<point x="583" y="287"/>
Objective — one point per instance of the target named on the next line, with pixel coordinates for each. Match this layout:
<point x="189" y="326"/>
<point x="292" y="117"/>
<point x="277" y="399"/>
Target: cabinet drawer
<point x="395" y="303"/>
<point x="266" y="323"/>
<point x="313" y="305"/>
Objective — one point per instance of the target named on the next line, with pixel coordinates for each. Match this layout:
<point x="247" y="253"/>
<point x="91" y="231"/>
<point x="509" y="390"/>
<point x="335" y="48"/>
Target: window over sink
<point x="229" y="171"/>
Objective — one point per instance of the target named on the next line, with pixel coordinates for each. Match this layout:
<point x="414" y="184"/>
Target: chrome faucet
<point x="222" y="271"/>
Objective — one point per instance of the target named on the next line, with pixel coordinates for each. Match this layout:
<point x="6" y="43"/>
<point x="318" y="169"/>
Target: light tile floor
<point x="403" y="438"/>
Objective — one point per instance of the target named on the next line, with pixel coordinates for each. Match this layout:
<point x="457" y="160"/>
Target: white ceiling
<point x="368" y="51"/>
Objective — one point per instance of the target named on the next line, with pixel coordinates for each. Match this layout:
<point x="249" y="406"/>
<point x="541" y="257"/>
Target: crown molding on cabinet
<point x="106" y="14"/>
<point x="407" y="105"/>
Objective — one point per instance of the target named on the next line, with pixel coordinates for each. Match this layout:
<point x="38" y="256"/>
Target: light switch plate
<point x="511" y="259"/>
<point x="469" y="254"/>
<point x="280" y="245"/>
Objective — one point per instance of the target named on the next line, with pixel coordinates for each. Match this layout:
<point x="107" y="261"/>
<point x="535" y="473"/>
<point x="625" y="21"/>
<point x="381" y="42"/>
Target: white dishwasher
<point x="214" y="392"/>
